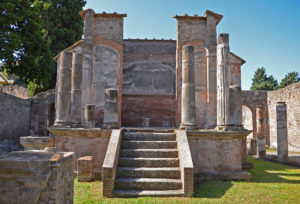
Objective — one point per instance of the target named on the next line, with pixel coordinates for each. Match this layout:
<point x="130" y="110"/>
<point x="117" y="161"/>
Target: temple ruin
<point x="150" y="117"/>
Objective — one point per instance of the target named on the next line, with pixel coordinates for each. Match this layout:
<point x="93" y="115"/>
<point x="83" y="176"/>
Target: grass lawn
<point x="270" y="183"/>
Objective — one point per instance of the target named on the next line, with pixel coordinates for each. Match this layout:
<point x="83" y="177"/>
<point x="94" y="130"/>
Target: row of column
<point x="229" y="98"/>
<point x="68" y="107"/>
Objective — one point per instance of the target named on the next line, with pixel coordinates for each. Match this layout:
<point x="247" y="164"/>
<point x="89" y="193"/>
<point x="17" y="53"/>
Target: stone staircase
<point x="148" y="165"/>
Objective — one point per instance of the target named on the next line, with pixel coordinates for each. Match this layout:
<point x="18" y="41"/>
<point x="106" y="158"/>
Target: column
<point x="63" y="106"/>
<point x="76" y="89"/>
<point x="110" y="119"/>
<point x="223" y="68"/>
<point x="260" y="137"/>
<point x="282" y="136"/>
<point x="89" y="115"/>
<point x="211" y="116"/>
<point x="188" y="89"/>
<point x="235" y="116"/>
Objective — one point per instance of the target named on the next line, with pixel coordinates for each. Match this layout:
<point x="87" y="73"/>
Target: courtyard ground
<point x="270" y="183"/>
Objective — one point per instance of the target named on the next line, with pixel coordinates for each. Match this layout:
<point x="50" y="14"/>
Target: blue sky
<point x="263" y="32"/>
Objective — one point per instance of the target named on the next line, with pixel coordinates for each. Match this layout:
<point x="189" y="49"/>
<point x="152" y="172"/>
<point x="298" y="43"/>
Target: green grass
<point x="270" y="183"/>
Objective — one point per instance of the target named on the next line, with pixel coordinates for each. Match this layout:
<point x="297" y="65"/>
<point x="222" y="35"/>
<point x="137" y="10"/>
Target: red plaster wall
<point x="134" y="108"/>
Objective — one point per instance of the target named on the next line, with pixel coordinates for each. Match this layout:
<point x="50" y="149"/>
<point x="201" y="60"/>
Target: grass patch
<point x="270" y="183"/>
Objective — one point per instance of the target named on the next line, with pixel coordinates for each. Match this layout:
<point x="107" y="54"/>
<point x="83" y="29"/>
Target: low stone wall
<point x="15" y="121"/>
<point x="217" y="154"/>
<point x="291" y="96"/>
<point x="36" y="177"/>
<point x="83" y="142"/>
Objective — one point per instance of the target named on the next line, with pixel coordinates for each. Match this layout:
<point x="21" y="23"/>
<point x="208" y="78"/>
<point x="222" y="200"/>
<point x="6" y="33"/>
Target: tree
<point x="24" y="49"/>
<point x="261" y="81"/>
<point x="62" y="21"/>
<point x="32" y="33"/>
<point x="290" y="78"/>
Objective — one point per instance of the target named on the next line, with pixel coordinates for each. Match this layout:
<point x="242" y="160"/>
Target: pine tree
<point x="261" y="81"/>
<point x="291" y="77"/>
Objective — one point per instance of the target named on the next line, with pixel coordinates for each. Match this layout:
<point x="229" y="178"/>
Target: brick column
<point x="88" y="25"/>
<point x="188" y="116"/>
<point x="76" y="89"/>
<point x="223" y="68"/>
<point x="282" y="135"/>
<point x="63" y="106"/>
<point x="260" y="137"/>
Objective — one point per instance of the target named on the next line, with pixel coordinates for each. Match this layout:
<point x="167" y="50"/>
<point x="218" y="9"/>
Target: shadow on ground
<point x="263" y="172"/>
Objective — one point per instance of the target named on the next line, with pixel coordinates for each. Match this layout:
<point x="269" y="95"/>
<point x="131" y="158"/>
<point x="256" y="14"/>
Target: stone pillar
<point x="211" y="116"/>
<point x="63" y="106"/>
<point x="89" y="115"/>
<point x="188" y="120"/>
<point x="223" y="68"/>
<point x="235" y="118"/>
<point x="111" y="116"/>
<point x="76" y="89"/>
<point x="260" y="137"/>
<point x="88" y="25"/>
<point x="282" y="136"/>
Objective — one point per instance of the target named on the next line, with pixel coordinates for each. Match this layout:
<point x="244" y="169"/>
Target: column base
<point x="230" y="127"/>
<point x="188" y="126"/>
<point x="61" y="123"/>
<point x="110" y="125"/>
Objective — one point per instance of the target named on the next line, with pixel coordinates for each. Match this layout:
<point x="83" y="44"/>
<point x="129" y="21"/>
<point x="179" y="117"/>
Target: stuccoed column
<point x="223" y="68"/>
<point x="64" y="90"/>
<point x="89" y="115"/>
<point x="76" y="89"/>
<point x="110" y="119"/>
<point x="188" y="120"/>
<point x="282" y="135"/>
<point x="260" y="137"/>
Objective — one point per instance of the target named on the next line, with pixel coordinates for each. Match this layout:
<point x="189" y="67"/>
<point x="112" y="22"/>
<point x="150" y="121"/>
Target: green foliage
<point x="62" y="21"/>
<point x="32" y="32"/>
<point x="290" y="78"/>
<point x="261" y="81"/>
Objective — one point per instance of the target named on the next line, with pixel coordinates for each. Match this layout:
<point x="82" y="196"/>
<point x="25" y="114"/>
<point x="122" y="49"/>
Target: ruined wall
<point x="36" y="177"/>
<point x="148" y="82"/>
<point x="15" y="90"/>
<point x="83" y="142"/>
<point x="14" y="121"/>
<point x="291" y="96"/>
<point x="253" y="99"/>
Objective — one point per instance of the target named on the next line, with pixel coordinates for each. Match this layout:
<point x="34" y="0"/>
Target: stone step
<point x="166" y="153"/>
<point x="148" y="136"/>
<point x="147" y="193"/>
<point x="145" y="172"/>
<point x="136" y="144"/>
<point x="147" y="184"/>
<point x="148" y="162"/>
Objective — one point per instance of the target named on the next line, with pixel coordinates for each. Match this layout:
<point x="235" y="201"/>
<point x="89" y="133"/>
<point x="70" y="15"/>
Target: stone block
<point x="36" y="177"/>
<point x="36" y="143"/>
<point x="85" y="168"/>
